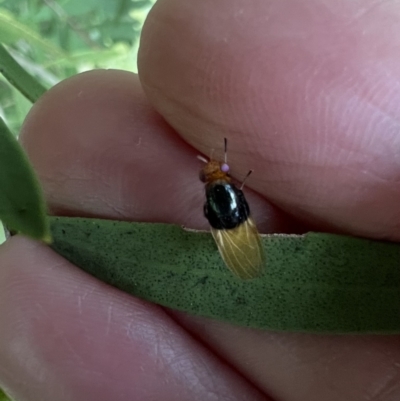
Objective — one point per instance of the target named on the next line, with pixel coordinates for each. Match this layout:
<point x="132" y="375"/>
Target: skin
<point x="307" y="95"/>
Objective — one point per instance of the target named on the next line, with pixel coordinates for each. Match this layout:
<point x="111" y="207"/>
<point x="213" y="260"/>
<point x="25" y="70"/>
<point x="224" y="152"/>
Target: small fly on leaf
<point x="232" y="227"/>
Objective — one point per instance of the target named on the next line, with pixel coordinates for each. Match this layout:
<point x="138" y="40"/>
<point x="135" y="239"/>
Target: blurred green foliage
<point x="54" y="39"/>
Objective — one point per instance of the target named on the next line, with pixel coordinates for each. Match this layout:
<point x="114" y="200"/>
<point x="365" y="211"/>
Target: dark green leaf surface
<point x="312" y="283"/>
<point x="18" y="77"/>
<point x="3" y="396"/>
<point x="22" y="207"/>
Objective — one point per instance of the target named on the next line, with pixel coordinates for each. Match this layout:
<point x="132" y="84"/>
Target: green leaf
<point x="3" y="396"/>
<point x="18" y="77"/>
<point x="2" y="238"/>
<point x="78" y="8"/>
<point x="312" y="283"/>
<point x="91" y="56"/>
<point x="11" y="30"/>
<point x="22" y="206"/>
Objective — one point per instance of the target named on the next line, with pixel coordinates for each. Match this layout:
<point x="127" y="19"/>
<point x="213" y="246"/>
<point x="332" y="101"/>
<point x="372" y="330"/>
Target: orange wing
<point x="241" y="249"/>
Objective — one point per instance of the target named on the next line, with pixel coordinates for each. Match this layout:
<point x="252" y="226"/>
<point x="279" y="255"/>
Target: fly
<point x="232" y="227"/>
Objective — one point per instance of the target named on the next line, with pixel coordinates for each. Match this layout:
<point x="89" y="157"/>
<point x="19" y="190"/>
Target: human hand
<point x="305" y="92"/>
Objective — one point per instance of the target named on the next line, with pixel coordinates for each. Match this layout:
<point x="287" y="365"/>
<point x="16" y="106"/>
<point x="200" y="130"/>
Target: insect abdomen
<point x="226" y="206"/>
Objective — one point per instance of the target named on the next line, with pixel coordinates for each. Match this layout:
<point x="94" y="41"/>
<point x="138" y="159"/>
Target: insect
<point x="228" y="213"/>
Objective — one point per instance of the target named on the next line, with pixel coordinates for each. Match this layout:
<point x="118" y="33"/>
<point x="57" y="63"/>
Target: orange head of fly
<point x="214" y="171"/>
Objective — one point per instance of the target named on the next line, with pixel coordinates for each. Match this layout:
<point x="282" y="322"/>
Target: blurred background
<point x="54" y="39"/>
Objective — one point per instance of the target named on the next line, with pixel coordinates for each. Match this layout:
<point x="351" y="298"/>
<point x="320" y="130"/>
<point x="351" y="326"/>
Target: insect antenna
<point x="224" y="165"/>
<point x="225" y="150"/>
<point x="212" y="153"/>
<point x="245" y="178"/>
<point x="202" y="158"/>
